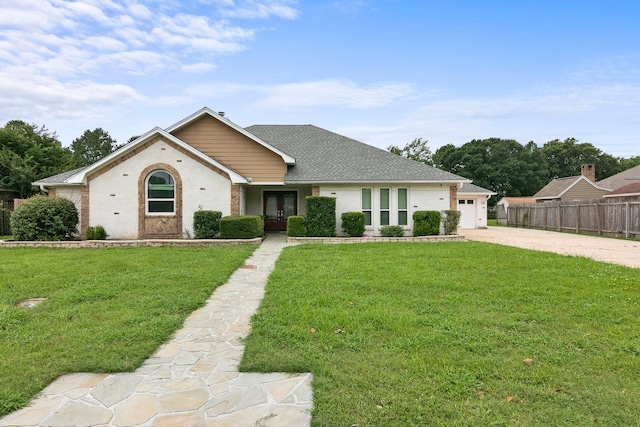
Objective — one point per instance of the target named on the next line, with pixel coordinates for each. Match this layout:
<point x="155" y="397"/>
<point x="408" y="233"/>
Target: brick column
<point x="453" y="198"/>
<point x="235" y="199"/>
<point x="84" y="210"/>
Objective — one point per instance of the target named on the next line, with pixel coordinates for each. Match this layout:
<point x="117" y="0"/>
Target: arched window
<point x="161" y="193"/>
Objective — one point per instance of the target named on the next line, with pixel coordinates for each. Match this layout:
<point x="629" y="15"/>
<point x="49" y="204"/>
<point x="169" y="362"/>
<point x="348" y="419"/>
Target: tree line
<point x="29" y="152"/>
<point x="511" y="169"/>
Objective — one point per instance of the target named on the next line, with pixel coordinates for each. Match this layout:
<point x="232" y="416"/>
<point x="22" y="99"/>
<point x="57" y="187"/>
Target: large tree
<point x="501" y="165"/>
<point x="417" y="150"/>
<point x="92" y="146"/>
<point x="565" y="158"/>
<point x="27" y="153"/>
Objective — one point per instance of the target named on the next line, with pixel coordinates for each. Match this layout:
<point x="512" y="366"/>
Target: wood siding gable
<point x="233" y="149"/>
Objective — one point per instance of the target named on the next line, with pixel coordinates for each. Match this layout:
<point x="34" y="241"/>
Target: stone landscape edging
<point x="451" y="237"/>
<point x="129" y="243"/>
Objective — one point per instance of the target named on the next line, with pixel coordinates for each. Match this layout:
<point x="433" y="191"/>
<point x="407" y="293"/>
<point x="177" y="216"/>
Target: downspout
<point x="42" y="189"/>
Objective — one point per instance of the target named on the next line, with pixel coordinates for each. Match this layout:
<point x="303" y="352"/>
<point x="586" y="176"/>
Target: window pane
<point x="470" y="202"/>
<point x="402" y="198"/>
<point x="161" y="206"/>
<point x="461" y="202"/>
<point x="367" y="217"/>
<point x="384" y="218"/>
<point x="402" y="218"/>
<point x="384" y="198"/>
<point x="366" y="198"/>
<point x="160" y="191"/>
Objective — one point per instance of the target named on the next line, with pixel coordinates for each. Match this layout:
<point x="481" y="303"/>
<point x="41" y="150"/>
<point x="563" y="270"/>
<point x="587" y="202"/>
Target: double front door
<point x="278" y="206"/>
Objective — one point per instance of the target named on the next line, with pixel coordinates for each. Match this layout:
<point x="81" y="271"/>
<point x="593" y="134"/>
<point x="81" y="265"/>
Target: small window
<point x="366" y="205"/>
<point x="402" y="206"/>
<point x="384" y="206"/>
<point x="470" y="202"/>
<point x="161" y="193"/>
<point x="461" y="202"/>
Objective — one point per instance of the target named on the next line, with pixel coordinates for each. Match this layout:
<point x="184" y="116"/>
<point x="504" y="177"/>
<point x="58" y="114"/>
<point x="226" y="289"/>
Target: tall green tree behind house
<point x="417" y="150"/>
<point x="92" y="146"/>
<point x="29" y="152"/>
<point x="565" y="158"/>
<point x="501" y="165"/>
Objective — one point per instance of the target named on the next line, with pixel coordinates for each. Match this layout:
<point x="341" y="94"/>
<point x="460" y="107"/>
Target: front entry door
<point x="278" y="206"/>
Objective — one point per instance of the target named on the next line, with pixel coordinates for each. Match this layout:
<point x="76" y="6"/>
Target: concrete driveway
<point x="617" y="251"/>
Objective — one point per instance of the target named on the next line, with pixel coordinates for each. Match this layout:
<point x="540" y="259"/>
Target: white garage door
<point x="467" y="208"/>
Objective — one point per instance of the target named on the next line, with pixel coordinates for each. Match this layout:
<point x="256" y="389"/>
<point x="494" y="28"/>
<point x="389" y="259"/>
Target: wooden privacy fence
<point x="5" y="227"/>
<point x="603" y="216"/>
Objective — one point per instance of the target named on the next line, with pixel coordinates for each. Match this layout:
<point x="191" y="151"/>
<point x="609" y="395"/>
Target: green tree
<point x="501" y="165"/>
<point x="92" y="146"/>
<point x="565" y="158"/>
<point x="27" y="153"/>
<point x="417" y="150"/>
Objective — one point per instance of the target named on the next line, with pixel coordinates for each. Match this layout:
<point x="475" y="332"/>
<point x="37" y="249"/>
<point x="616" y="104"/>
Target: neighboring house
<point x="472" y="204"/>
<point x="573" y="188"/>
<point x="630" y="176"/>
<point x="151" y="187"/>
<point x="629" y="191"/>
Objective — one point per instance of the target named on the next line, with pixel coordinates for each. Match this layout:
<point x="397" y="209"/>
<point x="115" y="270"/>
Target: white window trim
<point x="147" y="199"/>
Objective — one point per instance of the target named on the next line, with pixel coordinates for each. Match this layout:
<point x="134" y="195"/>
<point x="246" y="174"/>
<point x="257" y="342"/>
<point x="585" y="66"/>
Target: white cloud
<point x="334" y="93"/>
<point x="257" y="9"/>
<point x="200" y="67"/>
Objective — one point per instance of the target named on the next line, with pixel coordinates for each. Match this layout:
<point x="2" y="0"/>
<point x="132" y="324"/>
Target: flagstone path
<point x="192" y="380"/>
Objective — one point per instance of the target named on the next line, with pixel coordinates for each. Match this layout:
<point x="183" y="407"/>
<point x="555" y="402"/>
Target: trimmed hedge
<point x="96" y="233"/>
<point x="426" y="223"/>
<point x="241" y="227"/>
<point x="353" y="223"/>
<point x="44" y="218"/>
<point x="451" y="221"/>
<point x="391" y="231"/>
<point x="296" y="226"/>
<point x="321" y="216"/>
<point x="206" y="224"/>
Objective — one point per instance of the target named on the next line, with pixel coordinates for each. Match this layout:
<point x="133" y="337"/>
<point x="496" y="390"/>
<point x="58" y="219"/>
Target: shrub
<point x="391" y="231"/>
<point x="321" y="216"/>
<point x="426" y="223"/>
<point x="353" y="223"/>
<point x="206" y="224"/>
<point x="44" y="218"/>
<point x="90" y="234"/>
<point x="296" y="226"/>
<point x="241" y="227"/>
<point x="451" y="221"/>
<point x="100" y="233"/>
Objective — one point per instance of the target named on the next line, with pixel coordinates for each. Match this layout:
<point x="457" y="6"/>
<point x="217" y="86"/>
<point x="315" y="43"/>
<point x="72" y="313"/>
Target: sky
<point x="383" y="72"/>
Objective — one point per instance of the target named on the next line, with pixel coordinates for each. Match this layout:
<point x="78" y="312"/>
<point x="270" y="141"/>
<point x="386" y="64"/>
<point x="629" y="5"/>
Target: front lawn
<point x="467" y="334"/>
<point x="106" y="310"/>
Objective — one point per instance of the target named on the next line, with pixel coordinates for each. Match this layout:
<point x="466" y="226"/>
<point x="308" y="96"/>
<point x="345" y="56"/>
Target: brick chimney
<point x="589" y="171"/>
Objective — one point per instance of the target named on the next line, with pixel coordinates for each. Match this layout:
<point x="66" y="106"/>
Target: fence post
<point x="627" y="219"/>
<point x="578" y="218"/>
<point x="559" y="218"/>
<point x="598" y="218"/>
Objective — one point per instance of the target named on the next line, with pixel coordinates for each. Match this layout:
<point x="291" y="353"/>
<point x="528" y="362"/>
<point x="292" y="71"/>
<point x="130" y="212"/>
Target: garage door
<point x="467" y="208"/>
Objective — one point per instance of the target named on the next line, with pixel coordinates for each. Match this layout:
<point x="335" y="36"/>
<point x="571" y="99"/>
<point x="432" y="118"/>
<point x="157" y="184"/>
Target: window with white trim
<point x="366" y="205"/>
<point x="384" y="206"/>
<point x="403" y="202"/>
<point x="161" y="193"/>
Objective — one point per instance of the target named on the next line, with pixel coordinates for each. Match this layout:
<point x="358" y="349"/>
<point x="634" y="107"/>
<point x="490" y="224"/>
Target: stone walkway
<point x="192" y="380"/>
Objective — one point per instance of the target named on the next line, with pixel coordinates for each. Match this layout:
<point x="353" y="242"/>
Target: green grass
<point x="492" y="222"/>
<point x="107" y="310"/>
<point x="437" y="334"/>
<point x="6" y="237"/>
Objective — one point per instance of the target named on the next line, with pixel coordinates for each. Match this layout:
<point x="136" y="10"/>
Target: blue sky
<point x="382" y="72"/>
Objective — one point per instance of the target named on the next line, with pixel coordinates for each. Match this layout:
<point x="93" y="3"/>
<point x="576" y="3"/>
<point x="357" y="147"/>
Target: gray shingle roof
<point x="630" y="176"/>
<point x="556" y="187"/>
<point x="60" y="178"/>
<point x="468" y="188"/>
<point x="324" y="156"/>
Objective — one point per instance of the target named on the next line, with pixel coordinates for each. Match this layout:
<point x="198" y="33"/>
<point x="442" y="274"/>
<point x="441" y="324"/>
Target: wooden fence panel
<point x="5" y="227"/>
<point x="603" y="216"/>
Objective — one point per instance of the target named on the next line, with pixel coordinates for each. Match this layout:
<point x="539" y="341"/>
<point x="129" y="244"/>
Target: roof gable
<point x="327" y="157"/>
<point x="559" y="186"/>
<point x="79" y="176"/>
<point x="468" y="188"/>
<point x="209" y="112"/>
